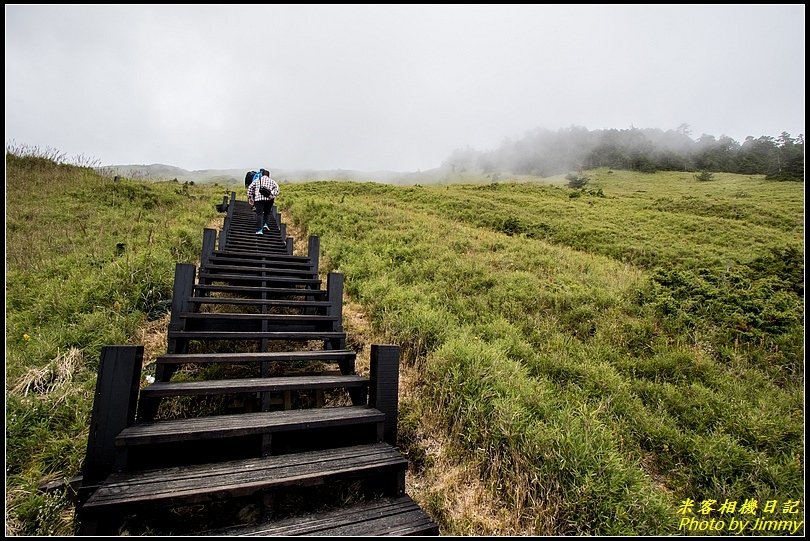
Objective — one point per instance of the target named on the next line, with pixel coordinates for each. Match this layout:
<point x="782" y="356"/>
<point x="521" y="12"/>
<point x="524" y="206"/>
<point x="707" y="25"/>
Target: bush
<point x="704" y="176"/>
<point x="576" y="181"/>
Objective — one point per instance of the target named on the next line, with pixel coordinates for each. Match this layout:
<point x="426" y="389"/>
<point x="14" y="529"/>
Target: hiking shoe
<point x="267" y="227"/>
<point x="260" y="232"/>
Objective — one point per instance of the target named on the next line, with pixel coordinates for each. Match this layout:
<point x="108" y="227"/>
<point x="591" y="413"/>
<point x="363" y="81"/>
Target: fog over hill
<point x="158" y="172"/>
<point x="546" y="153"/>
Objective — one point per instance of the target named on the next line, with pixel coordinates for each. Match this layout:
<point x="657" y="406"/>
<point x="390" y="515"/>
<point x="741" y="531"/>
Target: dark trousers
<point x="264" y="213"/>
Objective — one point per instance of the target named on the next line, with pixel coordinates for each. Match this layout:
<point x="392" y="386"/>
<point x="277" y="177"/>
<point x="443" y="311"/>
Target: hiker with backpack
<point x="262" y="191"/>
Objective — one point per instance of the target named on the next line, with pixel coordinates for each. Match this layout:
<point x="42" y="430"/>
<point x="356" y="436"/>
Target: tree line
<point x="545" y="152"/>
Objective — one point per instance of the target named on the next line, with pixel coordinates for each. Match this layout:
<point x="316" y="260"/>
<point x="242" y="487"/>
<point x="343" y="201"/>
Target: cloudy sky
<point x="382" y="87"/>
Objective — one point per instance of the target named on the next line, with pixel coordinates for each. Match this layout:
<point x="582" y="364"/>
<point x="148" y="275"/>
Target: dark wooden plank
<point x="277" y="279"/>
<point x="283" y="318"/>
<point x="314" y="251"/>
<point x="221" y="260"/>
<point x="209" y="239"/>
<point x="334" y="287"/>
<point x="224" y="426"/>
<point x="259" y="302"/>
<point x="267" y="241"/>
<point x="249" y="385"/>
<point x="260" y="247"/>
<point x="193" y="484"/>
<point x="181" y="291"/>
<point x="385" y="516"/>
<point x="257" y="335"/>
<point x="261" y="256"/>
<point x="260" y="269"/>
<point x="285" y="356"/>
<point x="114" y="405"/>
<point x="384" y="386"/>
<point x="292" y="291"/>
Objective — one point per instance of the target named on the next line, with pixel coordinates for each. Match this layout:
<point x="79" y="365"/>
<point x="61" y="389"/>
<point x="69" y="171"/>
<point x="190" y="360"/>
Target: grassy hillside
<point x="87" y="261"/>
<point x="594" y="357"/>
<point x="597" y="356"/>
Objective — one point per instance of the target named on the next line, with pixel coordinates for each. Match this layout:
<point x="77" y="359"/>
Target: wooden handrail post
<point x="384" y="387"/>
<point x="290" y="242"/>
<point x="209" y="240"/>
<point x="314" y="252"/>
<point x="182" y="291"/>
<point x="114" y="404"/>
<point x="334" y="293"/>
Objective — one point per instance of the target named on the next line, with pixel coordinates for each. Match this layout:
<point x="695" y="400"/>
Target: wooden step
<point x="220" y="260"/>
<point x="205" y="482"/>
<point x="247" y="322"/>
<point x="287" y="291"/>
<point x="257" y="335"/>
<point x="292" y="319"/>
<point x="260" y="302"/>
<point x="250" y="236"/>
<point x="243" y="424"/>
<point x="384" y="516"/>
<point x="217" y="277"/>
<point x="250" y="385"/>
<point x="275" y="356"/>
<point x="262" y="256"/>
<point x="259" y="245"/>
<point x="257" y="269"/>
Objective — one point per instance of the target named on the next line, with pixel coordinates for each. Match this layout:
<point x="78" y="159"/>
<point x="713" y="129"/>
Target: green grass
<point x="611" y="351"/>
<point x="596" y="356"/>
<point x="87" y="259"/>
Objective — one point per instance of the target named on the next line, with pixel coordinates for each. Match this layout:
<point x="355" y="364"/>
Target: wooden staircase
<point x="253" y="332"/>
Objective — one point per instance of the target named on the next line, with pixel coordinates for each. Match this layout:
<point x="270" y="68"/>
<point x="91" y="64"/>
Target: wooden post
<point x="314" y="252"/>
<point x="209" y="239"/>
<point x="283" y="229"/>
<point x="334" y="291"/>
<point x="274" y="212"/>
<point x="226" y="226"/>
<point x="114" y="404"/>
<point x="290" y="242"/>
<point x="384" y="385"/>
<point x="182" y="290"/>
<point x="224" y="231"/>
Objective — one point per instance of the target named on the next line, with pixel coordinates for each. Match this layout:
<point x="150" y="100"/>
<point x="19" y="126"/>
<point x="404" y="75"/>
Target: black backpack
<point x="249" y="178"/>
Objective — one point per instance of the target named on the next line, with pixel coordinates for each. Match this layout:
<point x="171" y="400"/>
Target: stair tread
<point x="218" y="259"/>
<point x="223" y="276"/>
<point x="322" y="355"/>
<point x="384" y="516"/>
<point x="254" y="268"/>
<point x="252" y="335"/>
<point x="267" y="302"/>
<point x="191" y="484"/>
<point x="240" y="424"/>
<point x="245" y="315"/>
<point x="259" y="289"/>
<point x="280" y="383"/>
<point x="280" y="256"/>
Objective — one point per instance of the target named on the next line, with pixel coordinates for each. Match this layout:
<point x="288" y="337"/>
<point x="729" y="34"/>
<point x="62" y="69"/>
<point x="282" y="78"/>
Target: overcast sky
<point x="381" y="87"/>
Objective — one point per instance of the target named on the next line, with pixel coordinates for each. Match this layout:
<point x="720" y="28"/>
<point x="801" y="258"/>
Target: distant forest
<point x="544" y="153"/>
